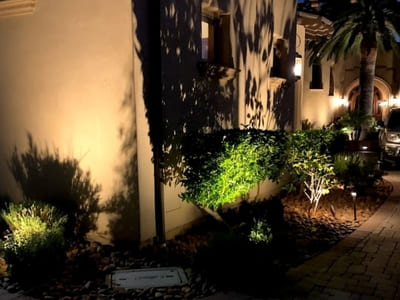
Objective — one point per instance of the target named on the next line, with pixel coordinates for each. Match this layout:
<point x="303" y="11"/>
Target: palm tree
<point x="363" y="27"/>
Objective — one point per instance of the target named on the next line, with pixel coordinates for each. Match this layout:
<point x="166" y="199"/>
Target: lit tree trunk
<point x="367" y="76"/>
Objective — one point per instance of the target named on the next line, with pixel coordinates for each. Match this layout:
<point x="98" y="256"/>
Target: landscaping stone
<point x="89" y="263"/>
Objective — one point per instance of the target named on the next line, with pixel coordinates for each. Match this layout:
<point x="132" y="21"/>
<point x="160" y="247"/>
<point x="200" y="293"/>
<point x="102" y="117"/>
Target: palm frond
<point x="370" y="23"/>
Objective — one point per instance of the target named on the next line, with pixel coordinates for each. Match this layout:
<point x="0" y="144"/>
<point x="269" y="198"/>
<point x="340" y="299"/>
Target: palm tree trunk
<point x="367" y="76"/>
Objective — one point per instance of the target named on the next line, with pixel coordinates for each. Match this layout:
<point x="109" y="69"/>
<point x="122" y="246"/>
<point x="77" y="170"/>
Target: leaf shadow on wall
<point x="265" y="107"/>
<point x="188" y="101"/>
<point x="123" y="206"/>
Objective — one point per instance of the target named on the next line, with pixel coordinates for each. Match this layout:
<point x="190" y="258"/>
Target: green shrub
<point x="354" y="121"/>
<point x="303" y="142"/>
<point x="316" y="171"/>
<point x="35" y="248"/>
<point x="260" y="232"/>
<point x="225" y="165"/>
<point x="321" y="141"/>
<point x="4" y="202"/>
<point x="310" y="162"/>
<point x="353" y="170"/>
<point x="43" y="176"/>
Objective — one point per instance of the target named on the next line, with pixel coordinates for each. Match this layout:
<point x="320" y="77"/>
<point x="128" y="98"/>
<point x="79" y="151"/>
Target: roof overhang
<point x="316" y="27"/>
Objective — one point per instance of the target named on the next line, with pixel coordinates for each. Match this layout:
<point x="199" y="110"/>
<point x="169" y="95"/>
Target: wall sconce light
<point x="337" y="102"/>
<point x="394" y="101"/>
<point x="298" y="66"/>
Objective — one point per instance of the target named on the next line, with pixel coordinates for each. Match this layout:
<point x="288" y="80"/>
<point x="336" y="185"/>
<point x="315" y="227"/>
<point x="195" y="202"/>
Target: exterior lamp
<point x="354" y="196"/>
<point x="298" y="66"/>
<point x="394" y="101"/>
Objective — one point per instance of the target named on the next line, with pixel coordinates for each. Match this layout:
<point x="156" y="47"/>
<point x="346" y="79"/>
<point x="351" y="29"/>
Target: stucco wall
<point x="66" y="77"/>
<point x="300" y="49"/>
<point x="317" y="104"/>
<point x="194" y="102"/>
<point x="346" y="75"/>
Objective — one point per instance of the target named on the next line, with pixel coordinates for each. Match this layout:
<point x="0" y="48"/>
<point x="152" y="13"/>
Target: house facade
<point x="112" y="84"/>
<point x="333" y="87"/>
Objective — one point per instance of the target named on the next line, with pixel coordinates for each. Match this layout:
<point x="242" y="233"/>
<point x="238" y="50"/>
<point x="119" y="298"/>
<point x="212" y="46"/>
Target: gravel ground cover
<point x="214" y="255"/>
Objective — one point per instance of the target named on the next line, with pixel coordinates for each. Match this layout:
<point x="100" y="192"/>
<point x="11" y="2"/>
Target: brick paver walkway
<point x="364" y="265"/>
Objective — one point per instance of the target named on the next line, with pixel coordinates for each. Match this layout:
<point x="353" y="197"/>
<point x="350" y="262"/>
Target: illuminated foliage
<point x="353" y="170"/>
<point x="36" y="244"/>
<point x="310" y="162"/>
<point x="317" y="173"/>
<point x="43" y="176"/>
<point x="260" y="232"/>
<point x="225" y="165"/>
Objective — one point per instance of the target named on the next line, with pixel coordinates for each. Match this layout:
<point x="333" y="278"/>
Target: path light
<point x="354" y="195"/>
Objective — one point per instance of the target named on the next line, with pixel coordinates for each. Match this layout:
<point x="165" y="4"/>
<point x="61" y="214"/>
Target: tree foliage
<point x="376" y="22"/>
<point x="361" y="28"/>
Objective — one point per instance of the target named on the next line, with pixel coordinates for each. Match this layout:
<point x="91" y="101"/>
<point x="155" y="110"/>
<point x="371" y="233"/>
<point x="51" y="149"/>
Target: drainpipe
<point x="156" y="126"/>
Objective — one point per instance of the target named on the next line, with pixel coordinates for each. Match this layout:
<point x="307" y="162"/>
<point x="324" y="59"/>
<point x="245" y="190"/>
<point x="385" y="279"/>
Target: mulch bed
<point x="213" y="255"/>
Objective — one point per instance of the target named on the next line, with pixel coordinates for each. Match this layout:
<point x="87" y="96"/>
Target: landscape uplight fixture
<point x="354" y="196"/>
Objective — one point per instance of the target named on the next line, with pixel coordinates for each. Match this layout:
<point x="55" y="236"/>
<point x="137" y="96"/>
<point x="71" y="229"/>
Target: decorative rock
<point x="308" y="236"/>
<point x="12" y="288"/>
<point x="87" y="285"/>
<point x="186" y="289"/>
<point x="158" y="295"/>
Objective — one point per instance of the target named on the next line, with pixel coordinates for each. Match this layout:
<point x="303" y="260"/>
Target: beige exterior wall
<point x="318" y="107"/>
<point x="249" y="58"/>
<point x="73" y="76"/>
<point x="253" y="75"/>
<point x="144" y="149"/>
<point x="66" y="72"/>
<point x="300" y="49"/>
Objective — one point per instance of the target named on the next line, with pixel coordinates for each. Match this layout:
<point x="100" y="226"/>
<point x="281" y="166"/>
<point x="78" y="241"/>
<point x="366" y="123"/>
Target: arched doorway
<point x="376" y="108"/>
<point x="382" y="92"/>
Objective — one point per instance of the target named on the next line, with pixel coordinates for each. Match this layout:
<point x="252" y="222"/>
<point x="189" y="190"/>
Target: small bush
<point x="4" y="202"/>
<point x="322" y="141"/>
<point x="43" y="176"/>
<point x="225" y="165"/>
<point x="310" y="162"/>
<point x="35" y="248"/>
<point x="260" y="232"/>
<point x="352" y="170"/>
<point x="353" y="122"/>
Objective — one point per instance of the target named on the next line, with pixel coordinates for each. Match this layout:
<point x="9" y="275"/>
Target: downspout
<point x="156" y="128"/>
